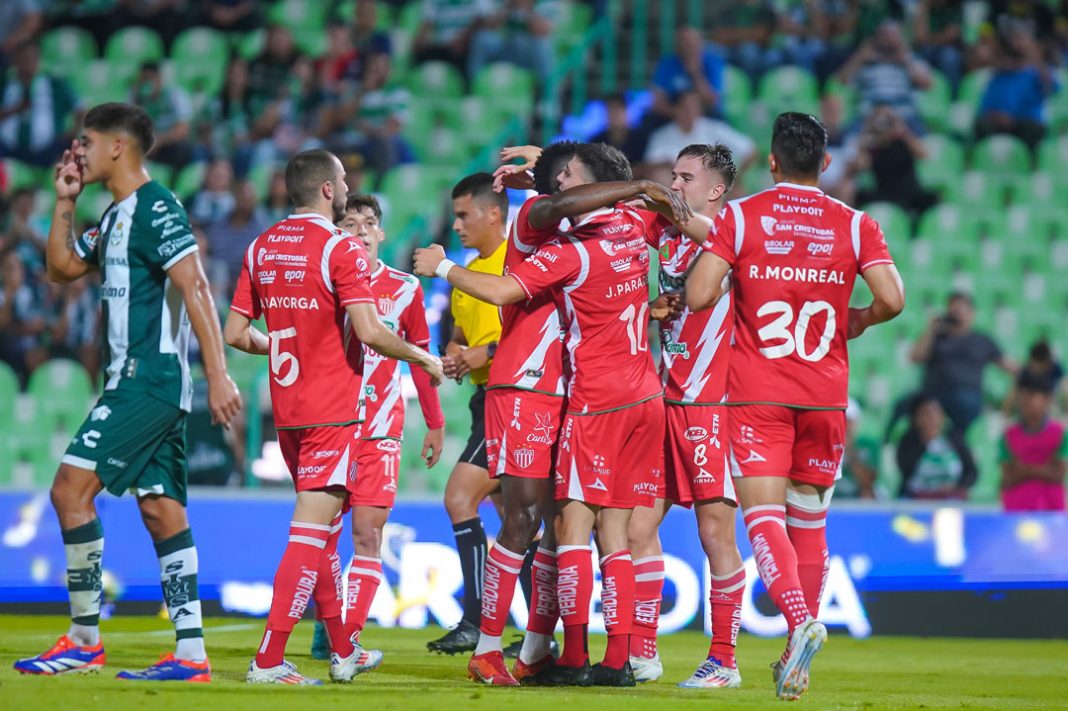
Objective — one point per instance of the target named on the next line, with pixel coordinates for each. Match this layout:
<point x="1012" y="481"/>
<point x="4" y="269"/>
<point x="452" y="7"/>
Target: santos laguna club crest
<point x="523" y="456"/>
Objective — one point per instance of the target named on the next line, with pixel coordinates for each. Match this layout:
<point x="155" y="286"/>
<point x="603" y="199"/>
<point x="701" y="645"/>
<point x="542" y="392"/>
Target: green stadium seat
<point x="410" y="18"/>
<point x="437" y="81"/>
<point x="475" y="123"/>
<point x="846" y="94"/>
<point x="201" y="55"/>
<point x="934" y="103"/>
<point x="1002" y="154"/>
<point x="1053" y="155"/>
<point x="969" y="94"/>
<point x="737" y="94"/>
<point x="789" y="89"/>
<point x="310" y="41"/>
<point x="62" y="390"/>
<point x="161" y="173"/>
<point x="505" y="89"/>
<point x="896" y="224"/>
<point x="9" y="390"/>
<point x="944" y="162"/>
<point x="299" y="14"/>
<point x="946" y="221"/>
<point x="132" y="46"/>
<point x="441" y="145"/>
<point x="977" y="189"/>
<point x="64" y="49"/>
<point x="104" y="80"/>
<point x="190" y="179"/>
<point x="248" y="45"/>
<point x="92" y="203"/>
<point x="20" y="175"/>
<point x="404" y="181"/>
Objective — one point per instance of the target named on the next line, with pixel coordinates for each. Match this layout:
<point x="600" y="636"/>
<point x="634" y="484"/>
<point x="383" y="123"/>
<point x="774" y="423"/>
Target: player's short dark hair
<point x="799" y="143"/>
<point x="131" y="120"/>
<point x="606" y="163"/>
<point x="549" y="164"/>
<point x="306" y="172"/>
<point x="479" y="187"/>
<point x="1030" y="381"/>
<point x="715" y="157"/>
<point x="358" y="201"/>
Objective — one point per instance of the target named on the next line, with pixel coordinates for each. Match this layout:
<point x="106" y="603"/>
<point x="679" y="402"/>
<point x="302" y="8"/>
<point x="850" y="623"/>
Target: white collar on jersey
<point x="595" y="213"/>
<point x="379" y="269"/>
<point x="795" y="186"/>
<point x="314" y="217"/>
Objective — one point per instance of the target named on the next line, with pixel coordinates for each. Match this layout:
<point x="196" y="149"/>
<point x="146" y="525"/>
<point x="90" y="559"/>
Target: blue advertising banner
<point x="893" y="570"/>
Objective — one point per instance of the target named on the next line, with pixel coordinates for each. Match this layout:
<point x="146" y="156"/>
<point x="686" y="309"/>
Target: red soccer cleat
<point x="489" y="668"/>
<point x="521" y="671"/>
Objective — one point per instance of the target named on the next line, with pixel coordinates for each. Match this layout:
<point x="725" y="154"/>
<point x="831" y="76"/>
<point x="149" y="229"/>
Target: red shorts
<point x="614" y="459"/>
<point x="524" y="426"/>
<point x="378" y="461"/>
<point x="321" y="457"/>
<point x="775" y="440"/>
<point x="696" y="467"/>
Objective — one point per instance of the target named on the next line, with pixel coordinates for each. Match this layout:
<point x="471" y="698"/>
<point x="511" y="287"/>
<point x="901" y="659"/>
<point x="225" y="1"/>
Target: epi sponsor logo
<point x="820" y="249"/>
<point x="294" y="275"/>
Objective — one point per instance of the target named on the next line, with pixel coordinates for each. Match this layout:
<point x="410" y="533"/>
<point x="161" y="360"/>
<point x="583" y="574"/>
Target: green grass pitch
<point x="889" y="672"/>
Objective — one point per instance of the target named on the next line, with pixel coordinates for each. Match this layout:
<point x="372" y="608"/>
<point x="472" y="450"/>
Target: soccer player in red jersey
<point x="524" y="410"/>
<point x="793" y="254"/>
<point x="695" y="355"/>
<point x="399" y="300"/>
<point x="597" y="272"/>
<point x="308" y="280"/>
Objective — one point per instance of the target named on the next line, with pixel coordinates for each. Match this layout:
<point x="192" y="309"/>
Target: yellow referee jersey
<point x="480" y="322"/>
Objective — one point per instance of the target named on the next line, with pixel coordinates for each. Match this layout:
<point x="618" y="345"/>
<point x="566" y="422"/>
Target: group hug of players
<point x="581" y="431"/>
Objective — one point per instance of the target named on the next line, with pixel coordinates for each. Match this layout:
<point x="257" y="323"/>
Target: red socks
<point x="294" y="585"/>
<point x="574" y="588"/>
<point x="725" y="604"/>
<point x="544" y="609"/>
<point x="776" y="561"/>
<point x="617" y="605"/>
<point x="806" y="525"/>
<point x="365" y="574"/>
<point x="499" y="577"/>
<point x="329" y="593"/>
<point x="648" y="588"/>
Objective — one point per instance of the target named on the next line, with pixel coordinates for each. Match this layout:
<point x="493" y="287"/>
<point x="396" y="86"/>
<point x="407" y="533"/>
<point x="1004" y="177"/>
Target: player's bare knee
<point x="69" y="498"/>
<point x="163" y="517"/>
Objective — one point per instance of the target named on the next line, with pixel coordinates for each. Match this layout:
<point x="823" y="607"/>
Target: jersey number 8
<point x="778" y="330"/>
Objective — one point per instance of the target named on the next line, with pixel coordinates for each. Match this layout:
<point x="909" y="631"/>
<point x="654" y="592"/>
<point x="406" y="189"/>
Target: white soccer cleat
<point x="713" y="675"/>
<point x="284" y="673"/>
<point x="792" y="676"/>
<point x="343" y="669"/>
<point x="647" y="668"/>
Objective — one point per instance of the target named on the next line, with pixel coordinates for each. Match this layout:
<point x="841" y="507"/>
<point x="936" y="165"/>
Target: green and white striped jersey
<point x="145" y="322"/>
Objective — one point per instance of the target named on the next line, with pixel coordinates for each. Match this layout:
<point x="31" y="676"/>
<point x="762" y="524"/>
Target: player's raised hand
<point x="528" y="154"/>
<point x="432" y="443"/>
<point x="672" y="203"/>
<point x="224" y="400"/>
<point x="68" y="174"/>
<point x="425" y="261"/>
<point x="512" y="176"/>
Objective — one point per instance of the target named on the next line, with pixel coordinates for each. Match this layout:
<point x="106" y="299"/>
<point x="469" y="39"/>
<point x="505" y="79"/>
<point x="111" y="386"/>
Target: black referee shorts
<point x="475" y="451"/>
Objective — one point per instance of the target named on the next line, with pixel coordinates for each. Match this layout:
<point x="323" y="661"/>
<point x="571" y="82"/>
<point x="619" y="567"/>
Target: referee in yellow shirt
<point x="481" y="218"/>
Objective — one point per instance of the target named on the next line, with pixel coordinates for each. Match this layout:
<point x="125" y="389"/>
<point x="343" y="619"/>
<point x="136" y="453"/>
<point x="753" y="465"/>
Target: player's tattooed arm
<point x="491" y="288"/>
<point x="64" y="264"/>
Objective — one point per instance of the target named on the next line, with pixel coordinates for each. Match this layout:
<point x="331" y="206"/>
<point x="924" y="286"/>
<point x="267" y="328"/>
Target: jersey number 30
<point x="779" y="330"/>
<point x="279" y="358"/>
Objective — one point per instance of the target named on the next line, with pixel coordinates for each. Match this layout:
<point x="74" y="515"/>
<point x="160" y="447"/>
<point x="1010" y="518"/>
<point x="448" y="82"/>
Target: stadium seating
<point x="506" y="89"/>
<point x="65" y="377"/>
<point x="199" y="58"/>
<point x="65" y="49"/>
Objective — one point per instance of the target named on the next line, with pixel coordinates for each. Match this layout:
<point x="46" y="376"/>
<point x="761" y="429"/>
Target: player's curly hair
<point x="127" y="118"/>
<point x="605" y="163"/>
<point x="715" y="157"/>
<point x="549" y="164"/>
<point x="358" y="201"/>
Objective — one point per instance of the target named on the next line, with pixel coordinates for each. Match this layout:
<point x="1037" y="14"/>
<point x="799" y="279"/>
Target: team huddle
<point x="585" y="436"/>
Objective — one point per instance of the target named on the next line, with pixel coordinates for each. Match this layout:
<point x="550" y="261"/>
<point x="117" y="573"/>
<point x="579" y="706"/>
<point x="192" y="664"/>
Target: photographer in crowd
<point x="954" y="356"/>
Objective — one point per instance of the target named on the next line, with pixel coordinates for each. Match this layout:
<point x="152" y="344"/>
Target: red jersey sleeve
<point x="348" y="271"/>
<point x="722" y="239"/>
<point x="245" y="301"/>
<point x="653" y="225"/>
<point x="870" y="244"/>
<point x="413" y="321"/>
<point x="553" y="265"/>
<point x="526" y="235"/>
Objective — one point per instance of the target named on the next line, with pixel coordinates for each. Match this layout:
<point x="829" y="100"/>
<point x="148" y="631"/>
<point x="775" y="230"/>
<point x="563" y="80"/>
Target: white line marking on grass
<point x="166" y="633"/>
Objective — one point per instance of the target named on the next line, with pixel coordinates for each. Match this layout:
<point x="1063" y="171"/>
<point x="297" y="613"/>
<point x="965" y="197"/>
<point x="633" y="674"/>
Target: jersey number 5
<point x="778" y="330"/>
<point x="279" y="358"/>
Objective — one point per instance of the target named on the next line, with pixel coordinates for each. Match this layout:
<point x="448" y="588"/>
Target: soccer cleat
<point x="556" y="675"/>
<point x="806" y="640"/>
<point x="489" y="668"/>
<point x="320" y="648"/>
<point x="343" y="669"/>
<point x="284" y="673"/>
<point x="601" y="675"/>
<point x="170" y="668"/>
<point x="64" y="657"/>
<point x="522" y="672"/>
<point x="712" y="674"/>
<point x="460" y="639"/>
<point x="647" y="668"/>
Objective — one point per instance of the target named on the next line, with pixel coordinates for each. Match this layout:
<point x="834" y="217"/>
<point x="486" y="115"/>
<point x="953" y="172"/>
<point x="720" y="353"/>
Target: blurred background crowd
<point x="947" y="122"/>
